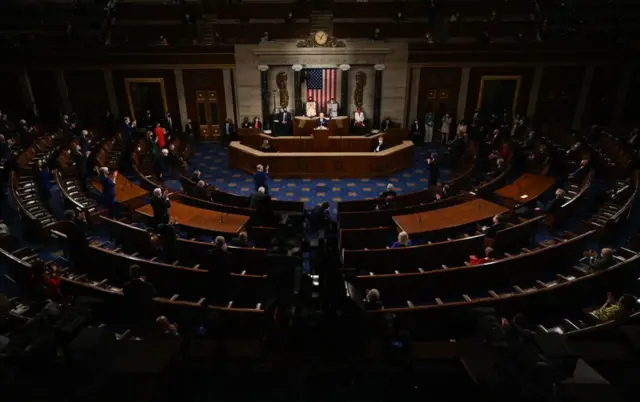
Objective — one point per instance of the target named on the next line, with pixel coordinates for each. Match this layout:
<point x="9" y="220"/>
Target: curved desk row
<point x="322" y="140"/>
<point x="325" y="164"/>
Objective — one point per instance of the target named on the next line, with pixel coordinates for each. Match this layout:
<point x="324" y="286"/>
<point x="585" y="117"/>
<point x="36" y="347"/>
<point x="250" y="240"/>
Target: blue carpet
<point x="212" y="161"/>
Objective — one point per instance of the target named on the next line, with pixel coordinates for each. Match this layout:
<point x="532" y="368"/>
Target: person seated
<point x="358" y="118"/>
<point x="403" y="241"/>
<point x="323" y="122"/>
<point x="498" y="225"/>
<point x="498" y="169"/>
<point x="241" y="241"/>
<point x="386" y="204"/>
<point x="441" y="191"/>
<point x="381" y="145"/>
<point x="489" y="254"/>
<point x="388" y="192"/>
<point x="44" y="281"/>
<point x="246" y="123"/>
<point x="603" y="262"/>
<point x="266" y="146"/>
<point x="257" y="123"/>
<point x="617" y="311"/>
<point x="166" y="328"/>
<point x="553" y="206"/>
<point x="200" y="191"/>
<point x="578" y="174"/>
<point x="195" y="176"/>
<point x="372" y="300"/>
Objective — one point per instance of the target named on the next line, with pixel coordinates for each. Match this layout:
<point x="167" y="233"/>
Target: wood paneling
<point x="438" y="92"/>
<point x="12" y="100"/>
<point x="168" y="76"/>
<point x="601" y="98"/>
<point x="47" y="96"/>
<point x="204" y="80"/>
<point x="88" y="95"/>
<point x="630" y="114"/>
<point x="475" y="78"/>
<point x="558" y="97"/>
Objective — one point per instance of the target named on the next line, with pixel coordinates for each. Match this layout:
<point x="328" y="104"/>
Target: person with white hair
<point x="403" y="240"/>
<point x="160" y="163"/>
<point x="160" y="204"/>
<point x="108" y="182"/>
<point x="553" y="206"/>
<point x="388" y="192"/>
<point x="372" y="300"/>
<point x="85" y="141"/>
<point x="260" y="201"/>
<point x="260" y="178"/>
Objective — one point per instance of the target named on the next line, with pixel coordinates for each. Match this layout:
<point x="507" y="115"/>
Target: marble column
<point x="228" y="94"/>
<point x="414" y="94"/>
<point x="344" y="90"/>
<point x="182" y="100"/>
<point x="264" y="93"/>
<point x="64" y="92"/>
<point x="585" y="88"/>
<point x="27" y="93"/>
<point x="297" y="86"/>
<point x="111" y="93"/>
<point x="621" y="93"/>
<point x="463" y="93"/>
<point x="377" y="96"/>
<point x="535" y="93"/>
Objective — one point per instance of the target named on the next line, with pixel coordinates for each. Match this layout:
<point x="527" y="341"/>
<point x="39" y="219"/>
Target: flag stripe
<point x="322" y="86"/>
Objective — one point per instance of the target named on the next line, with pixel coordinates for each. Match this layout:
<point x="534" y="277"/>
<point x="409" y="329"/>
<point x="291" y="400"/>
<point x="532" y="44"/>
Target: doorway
<point x="208" y="115"/>
<point x="499" y="94"/>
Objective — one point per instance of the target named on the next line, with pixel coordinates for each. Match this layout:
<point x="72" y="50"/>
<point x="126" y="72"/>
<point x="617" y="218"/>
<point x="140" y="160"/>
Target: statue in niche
<point x="281" y="82"/>
<point x="358" y="93"/>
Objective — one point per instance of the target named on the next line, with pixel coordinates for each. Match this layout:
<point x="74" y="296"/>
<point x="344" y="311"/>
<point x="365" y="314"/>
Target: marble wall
<point x="273" y="85"/>
<point x="360" y="55"/>
<point x="368" y="91"/>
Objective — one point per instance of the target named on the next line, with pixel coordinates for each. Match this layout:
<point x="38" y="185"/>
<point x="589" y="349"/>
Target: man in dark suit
<point x="261" y="203"/>
<point x="605" y="261"/>
<point x="388" y="192"/>
<point x="160" y="163"/>
<point x="387" y="204"/>
<point x="160" y="204"/>
<point x="139" y="303"/>
<point x="228" y="132"/>
<point x="381" y="145"/>
<point x="191" y="132"/>
<point x="260" y="178"/>
<point x="80" y="160"/>
<point x="195" y="176"/>
<point x="553" y="206"/>
<point x="241" y="241"/>
<point x="498" y="225"/>
<point x="434" y="171"/>
<point x="386" y="124"/>
<point x="285" y="122"/>
<point x="323" y="121"/>
<point x="200" y="191"/>
<point x="578" y="174"/>
<point x="416" y="132"/>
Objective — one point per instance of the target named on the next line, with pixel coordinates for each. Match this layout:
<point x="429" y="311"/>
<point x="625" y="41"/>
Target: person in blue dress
<point x="260" y="178"/>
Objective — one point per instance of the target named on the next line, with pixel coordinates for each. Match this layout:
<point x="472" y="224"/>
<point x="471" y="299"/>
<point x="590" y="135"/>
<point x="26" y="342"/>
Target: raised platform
<point x="323" y="164"/>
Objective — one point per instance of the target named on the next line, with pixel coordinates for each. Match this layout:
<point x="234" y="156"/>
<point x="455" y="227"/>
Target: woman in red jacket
<point x="160" y="136"/>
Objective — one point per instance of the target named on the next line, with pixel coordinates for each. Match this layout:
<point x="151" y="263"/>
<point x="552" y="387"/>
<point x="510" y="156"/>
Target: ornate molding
<point x="310" y="42"/>
<point x="297" y="67"/>
<point x="344" y="67"/>
<point x="379" y="67"/>
<point x="263" y="67"/>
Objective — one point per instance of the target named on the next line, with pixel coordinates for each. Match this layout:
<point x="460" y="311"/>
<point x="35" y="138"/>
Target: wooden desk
<point x="305" y="126"/>
<point x="202" y="219"/>
<point x="352" y="143"/>
<point x="126" y="192"/>
<point x="448" y="218"/>
<point x="531" y="185"/>
<point x="323" y="164"/>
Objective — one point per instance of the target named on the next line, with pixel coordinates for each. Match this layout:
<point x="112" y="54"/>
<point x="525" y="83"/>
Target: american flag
<point x="322" y="86"/>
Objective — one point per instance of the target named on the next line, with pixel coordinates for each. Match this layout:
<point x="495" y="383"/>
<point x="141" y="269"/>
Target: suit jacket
<point x="380" y="147"/>
<point x="601" y="264"/>
<point x="260" y="179"/>
<point x="416" y="128"/>
<point x="228" y="129"/>
<point x="387" y="193"/>
<point x="323" y="122"/>
<point x="492" y="230"/>
<point x="386" y="125"/>
<point x="284" y="117"/>
<point x="81" y="164"/>
<point x="434" y="172"/>
<point x="237" y="242"/>
<point x="262" y="205"/>
<point x="160" y="206"/>
<point x="108" y="191"/>
<point x="553" y="206"/>
<point x="138" y="298"/>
